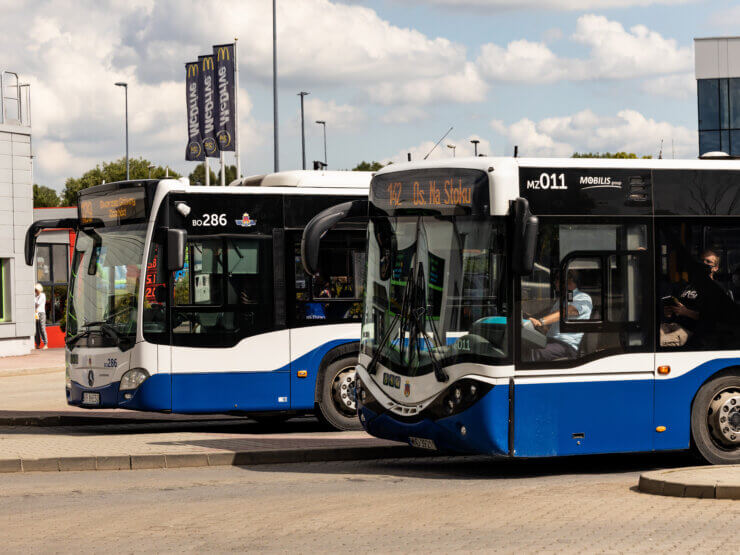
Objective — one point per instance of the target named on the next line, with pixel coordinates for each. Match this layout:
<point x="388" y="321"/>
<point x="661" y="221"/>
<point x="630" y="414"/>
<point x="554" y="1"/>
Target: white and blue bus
<point x="189" y="299"/>
<point x="544" y="307"/>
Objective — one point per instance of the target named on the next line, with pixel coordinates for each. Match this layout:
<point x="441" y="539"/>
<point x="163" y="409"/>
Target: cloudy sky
<point x="388" y="76"/>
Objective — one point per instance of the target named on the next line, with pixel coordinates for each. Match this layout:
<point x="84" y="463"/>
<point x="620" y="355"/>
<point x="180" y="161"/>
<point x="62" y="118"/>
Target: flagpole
<point x="238" y="144"/>
<point x="208" y="172"/>
<point x="223" y="170"/>
<point x="274" y="86"/>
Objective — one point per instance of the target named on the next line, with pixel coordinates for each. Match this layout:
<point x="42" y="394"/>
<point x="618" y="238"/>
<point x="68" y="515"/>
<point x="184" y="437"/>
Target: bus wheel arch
<point x="334" y="401"/>
<point x="715" y="418"/>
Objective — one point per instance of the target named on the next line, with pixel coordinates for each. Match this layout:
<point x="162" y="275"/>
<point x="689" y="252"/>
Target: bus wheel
<point x="715" y="420"/>
<point x="338" y="405"/>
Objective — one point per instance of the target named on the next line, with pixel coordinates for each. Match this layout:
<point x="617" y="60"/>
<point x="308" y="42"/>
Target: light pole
<point x="303" y="131"/>
<point x="453" y="147"/>
<point x="322" y="122"/>
<point x="274" y="86"/>
<point x="475" y="146"/>
<point x="125" y="90"/>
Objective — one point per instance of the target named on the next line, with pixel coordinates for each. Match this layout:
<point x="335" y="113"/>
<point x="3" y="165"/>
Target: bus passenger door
<point x="584" y="380"/>
<point x="227" y="353"/>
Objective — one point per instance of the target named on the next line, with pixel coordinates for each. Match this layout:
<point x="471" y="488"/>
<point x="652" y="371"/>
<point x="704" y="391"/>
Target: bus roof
<point x="308" y="178"/>
<point x="484" y="163"/>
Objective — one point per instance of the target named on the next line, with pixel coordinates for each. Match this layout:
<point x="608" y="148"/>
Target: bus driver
<point x="563" y="345"/>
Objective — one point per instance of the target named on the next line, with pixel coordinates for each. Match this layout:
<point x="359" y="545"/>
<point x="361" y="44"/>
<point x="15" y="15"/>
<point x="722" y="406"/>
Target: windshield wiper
<point x="105" y="327"/>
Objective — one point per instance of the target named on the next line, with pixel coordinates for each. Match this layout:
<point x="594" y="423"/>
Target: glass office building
<point x="718" y="93"/>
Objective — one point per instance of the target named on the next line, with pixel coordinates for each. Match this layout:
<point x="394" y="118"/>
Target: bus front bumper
<point x="481" y="429"/>
<point x="154" y="394"/>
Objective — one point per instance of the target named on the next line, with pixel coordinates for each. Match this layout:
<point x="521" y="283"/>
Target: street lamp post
<point x="453" y="147"/>
<point x="274" y="88"/>
<point x="125" y="90"/>
<point x="322" y="122"/>
<point x="475" y="146"/>
<point x="303" y="131"/>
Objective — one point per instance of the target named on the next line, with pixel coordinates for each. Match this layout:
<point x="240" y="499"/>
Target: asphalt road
<point x="444" y="504"/>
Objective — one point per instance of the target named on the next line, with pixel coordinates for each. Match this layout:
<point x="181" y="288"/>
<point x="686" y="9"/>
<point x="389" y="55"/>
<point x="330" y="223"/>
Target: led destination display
<point x="114" y="207"/>
<point x="435" y="190"/>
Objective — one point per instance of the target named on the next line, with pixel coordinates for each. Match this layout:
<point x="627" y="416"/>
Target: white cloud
<point x="613" y="53"/>
<point x="464" y="86"/>
<point x="79" y="49"/>
<point x="463" y="148"/>
<point x="628" y="131"/>
<point x="404" y="114"/>
<point x="681" y="86"/>
<point x="564" y="5"/>
<point x="336" y="116"/>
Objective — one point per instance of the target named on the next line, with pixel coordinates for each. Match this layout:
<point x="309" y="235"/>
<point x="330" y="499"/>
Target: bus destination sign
<point x="115" y="207"/>
<point x="430" y="189"/>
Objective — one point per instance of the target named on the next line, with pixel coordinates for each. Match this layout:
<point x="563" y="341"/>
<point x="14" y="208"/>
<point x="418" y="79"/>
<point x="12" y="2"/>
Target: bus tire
<point x="337" y="406"/>
<point x="715" y="419"/>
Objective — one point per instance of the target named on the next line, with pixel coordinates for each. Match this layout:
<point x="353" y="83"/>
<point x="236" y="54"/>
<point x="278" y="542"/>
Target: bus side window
<point x="698" y="283"/>
<point x="336" y="293"/>
<point x="603" y="294"/>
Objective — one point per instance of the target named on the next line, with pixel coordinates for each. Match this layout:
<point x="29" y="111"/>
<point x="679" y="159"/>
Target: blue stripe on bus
<point x="568" y="418"/>
<point x="219" y="392"/>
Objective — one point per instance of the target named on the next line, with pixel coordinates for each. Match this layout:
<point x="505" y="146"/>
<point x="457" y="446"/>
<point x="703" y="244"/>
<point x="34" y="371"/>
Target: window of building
<point x="335" y="294"/>
<point x="719" y="115"/>
<point x="4" y="290"/>
<point x="699" y="286"/>
<point x="52" y="272"/>
<point x="585" y="297"/>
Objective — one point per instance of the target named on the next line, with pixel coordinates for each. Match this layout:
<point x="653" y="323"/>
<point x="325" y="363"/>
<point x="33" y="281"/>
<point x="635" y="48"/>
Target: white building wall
<point x="16" y="214"/>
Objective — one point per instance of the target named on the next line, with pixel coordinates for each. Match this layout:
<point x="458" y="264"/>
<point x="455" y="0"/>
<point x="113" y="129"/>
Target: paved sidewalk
<point x="720" y="482"/>
<point x="170" y="445"/>
<point x="38" y="362"/>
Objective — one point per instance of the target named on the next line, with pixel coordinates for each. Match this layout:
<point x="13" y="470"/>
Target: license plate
<point x="422" y="443"/>
<point x="90" y="398"/>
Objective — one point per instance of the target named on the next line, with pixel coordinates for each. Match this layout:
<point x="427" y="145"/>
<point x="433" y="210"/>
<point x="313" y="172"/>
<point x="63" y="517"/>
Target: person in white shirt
<point x="563" y="345"/>
<point x="40" y="315"/>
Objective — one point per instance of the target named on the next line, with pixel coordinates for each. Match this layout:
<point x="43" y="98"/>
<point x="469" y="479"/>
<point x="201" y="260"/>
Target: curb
<point x="670" y="483"/>
<point x="96" y="420"/>
<point x="191" y="460"/>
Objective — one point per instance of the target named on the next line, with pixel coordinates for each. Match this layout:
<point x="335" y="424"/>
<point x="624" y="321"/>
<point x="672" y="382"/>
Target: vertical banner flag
<point x="225" y="124"/>
<point x="207" y="105"/>
<point x="194" y="150"/>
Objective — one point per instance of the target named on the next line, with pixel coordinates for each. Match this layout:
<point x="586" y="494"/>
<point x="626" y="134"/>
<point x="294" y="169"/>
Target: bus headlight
<point x="133" y="379"/>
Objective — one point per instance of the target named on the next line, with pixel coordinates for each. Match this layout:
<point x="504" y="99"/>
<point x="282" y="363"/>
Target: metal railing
<point x="15" y="100"/>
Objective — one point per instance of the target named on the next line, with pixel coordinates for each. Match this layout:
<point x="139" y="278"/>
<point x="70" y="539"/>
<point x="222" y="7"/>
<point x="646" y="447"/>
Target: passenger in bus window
<point x="563" y="345"/>
<point x="692" y="310"/>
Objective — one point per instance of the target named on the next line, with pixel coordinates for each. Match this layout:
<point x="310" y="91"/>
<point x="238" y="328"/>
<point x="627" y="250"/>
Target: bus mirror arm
<point x="323" y="222"/>
<point x="176" y="239"/>
<point x="526" y="227"/>
<point x="32" y="233"/>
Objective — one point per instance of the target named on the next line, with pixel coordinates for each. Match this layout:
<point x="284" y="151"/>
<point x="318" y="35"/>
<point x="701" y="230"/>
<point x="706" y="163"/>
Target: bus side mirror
<point x="524" y="245"/>
<point x="176" y="239"/>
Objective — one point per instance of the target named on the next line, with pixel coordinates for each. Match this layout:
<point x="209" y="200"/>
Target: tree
<point x="44" y="197"/>
<point x="110" y="172"/>
<point x="367" y="166"/>
<point x="198" y="175"/>
<point x="623" y="155"/>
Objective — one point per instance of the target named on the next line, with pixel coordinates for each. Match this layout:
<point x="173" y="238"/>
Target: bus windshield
<point x="436" y="293"/>
<point x="104" y="281"/>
